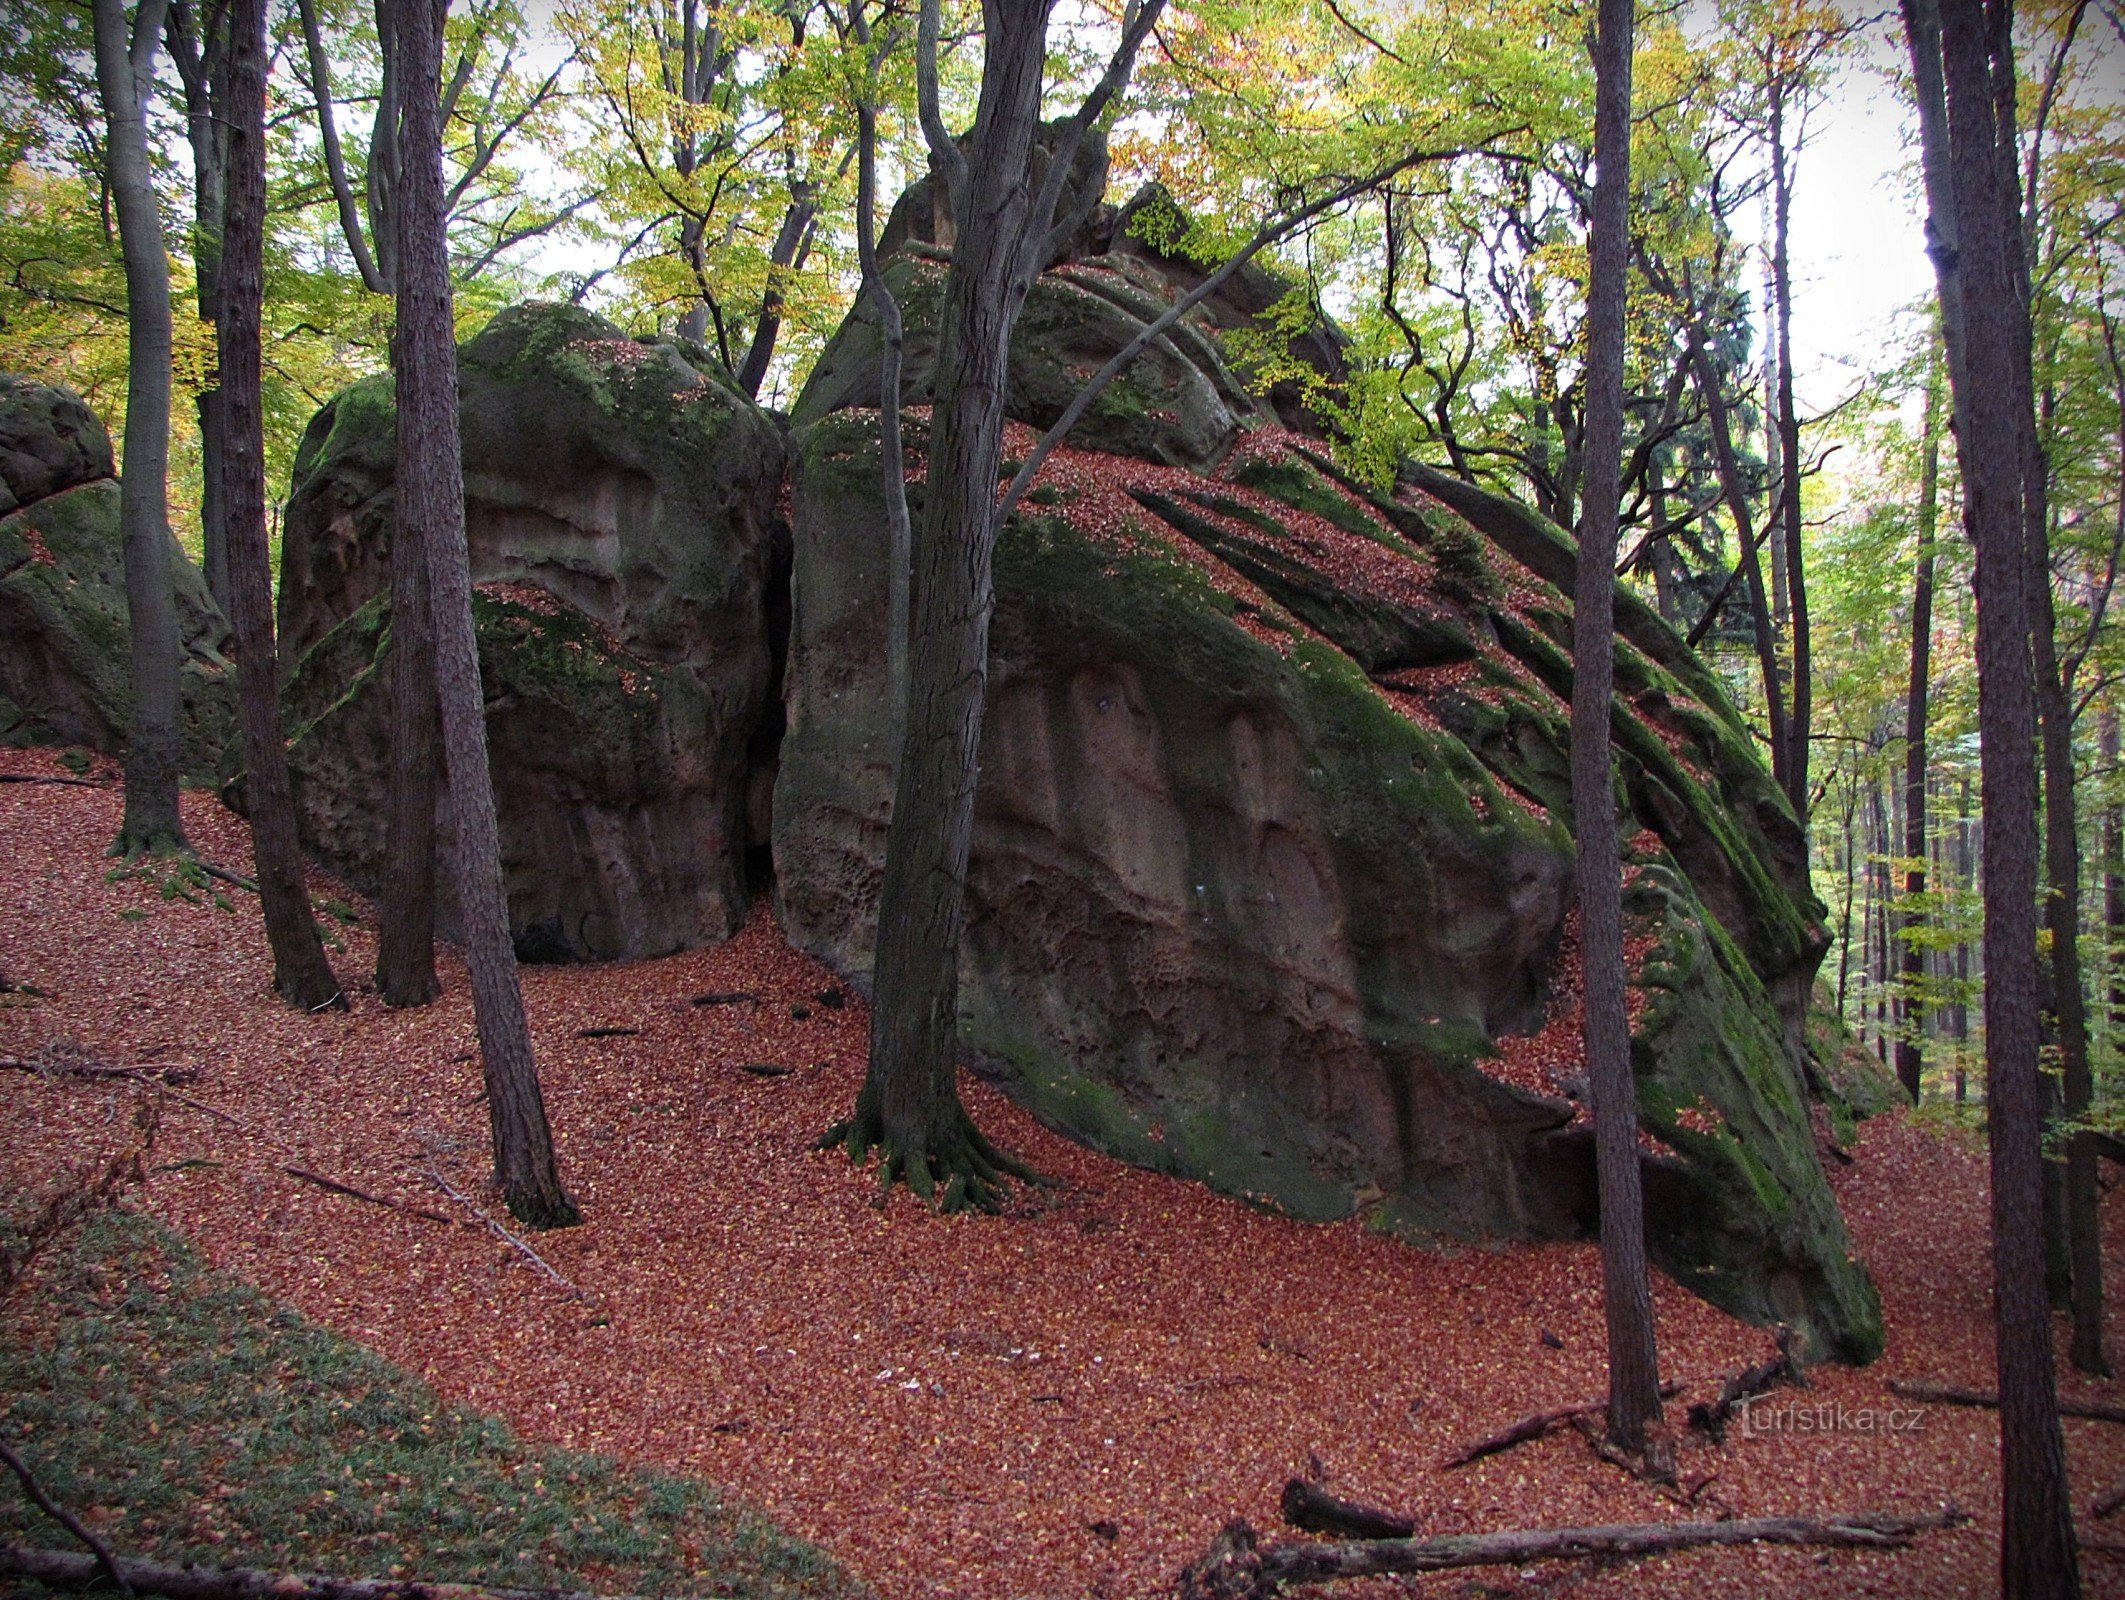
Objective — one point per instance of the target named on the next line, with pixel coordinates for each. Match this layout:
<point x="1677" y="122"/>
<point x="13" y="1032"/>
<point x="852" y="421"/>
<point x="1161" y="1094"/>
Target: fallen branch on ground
<point x="1238" y="1567"/>
<point x="224" y="875"/>
<point x="1534" y="1426"/>
<point x="607" y="1033"/>
<point x="1948" y="1395"/>
<point x="156" y="1073"/>
<point x="81" y="1197"/>
<point x="1313" y="1508"/>
<point x="2107" y="1503"/>
<point x="100" y="1557"/>
<point x="336" y="1187"/>
<point x="64" y="1569"/>
<point x="38" y="777"/>
<point x="516" y="1243"/>
<point x="1710" y="1416"/>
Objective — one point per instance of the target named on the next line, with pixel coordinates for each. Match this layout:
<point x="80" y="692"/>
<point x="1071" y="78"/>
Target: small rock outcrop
<point x="65" y="637"/>
<point x="620" y="502"/>
<point x="1270" y="882"/>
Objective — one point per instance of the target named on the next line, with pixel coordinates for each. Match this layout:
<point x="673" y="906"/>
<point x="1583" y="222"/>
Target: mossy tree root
<point x="954" y="1168"/>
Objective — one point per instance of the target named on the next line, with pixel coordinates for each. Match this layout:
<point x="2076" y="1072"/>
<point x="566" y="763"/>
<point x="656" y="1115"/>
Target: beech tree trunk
<point x="1910" y="1051"/>
<point x="1801" y="714"/>
<point x="911" y="1095"/>
<point x="909" y="1106"/>
<point x="2113" y="879"/>
<point x="1737" y="498"/>
<point x="301" y="974"/>
<point x="1993" y="404"/>
<point x="405" y="946"/>
<point x="198" y="32"/>
<point x="431" y="496"/>
<point x="125" y="61"/>
<point x="1634" y="1377"/>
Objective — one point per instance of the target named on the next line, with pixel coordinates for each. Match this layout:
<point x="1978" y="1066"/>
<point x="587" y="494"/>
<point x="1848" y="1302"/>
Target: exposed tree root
<point x="1238" y="1567"/>
<point x="1533" y="1426"/>
<point x="960" y="1171"/>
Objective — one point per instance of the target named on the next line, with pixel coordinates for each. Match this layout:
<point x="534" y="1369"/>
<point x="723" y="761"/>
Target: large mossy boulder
<point x="620" y="502"/>
<point x="1270" y="882"/>
<point x="65" y="633"/>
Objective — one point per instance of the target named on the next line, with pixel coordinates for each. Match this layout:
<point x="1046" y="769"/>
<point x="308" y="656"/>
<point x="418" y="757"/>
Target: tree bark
<point x="1737" y="498"/>
<point x="2113" y="848"/>
<point x="909" y="1106"/>
<point x="301" y="974"/>
<point x="910" y="1095"/>
<point x="431" y="495"/>
<point x="405" y="946"/>
<point x="1993" y="404"/>
<point x="125" y="79"/>
<point x="1634" y="1378"/>
<point x="1910" y="1052"/>
<point x="1801" y="714"/>
<point x="198" y="38"/>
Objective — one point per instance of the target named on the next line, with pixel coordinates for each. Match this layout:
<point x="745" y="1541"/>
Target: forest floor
<point x="1065" y="1400"/>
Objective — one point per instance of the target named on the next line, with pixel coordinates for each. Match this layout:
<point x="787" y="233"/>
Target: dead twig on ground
<point x="100" y="1553"/>
<point x="1949" y="1395"/>
<point x="435" y="1177"/>
<point x="1533" y="1426"/>
<point x="153" y="1072"/>
<point x="334" y="1186"/>
<point x="78" y="1199"/>
<point x="1710" y="1416"/>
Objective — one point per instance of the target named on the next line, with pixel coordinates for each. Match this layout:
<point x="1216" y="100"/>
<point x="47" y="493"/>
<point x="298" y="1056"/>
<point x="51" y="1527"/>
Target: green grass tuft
<point x="192" y="1418"/>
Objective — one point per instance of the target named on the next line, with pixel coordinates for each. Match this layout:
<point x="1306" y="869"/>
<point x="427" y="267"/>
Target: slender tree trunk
<point x="909" y="1104"/>
<point x="198" y="38"/>
<point x="2113" y="879"/>
<point x="1966" y="885"/>
<point x="792" y="245"/>
<point x="431" y="495"/>
<point x="405" y="947"/>
<point x="1737" y="499"/>
<point x="301" y="974"/>
<point x="1911" y="1011"/>
<point x="2037" y="1552"/>
<point x="2062" y="856"/>
<point x="1801" y="720"/>
<point x="892" y="453"/>
<point x="1634" y="1377"/>
<point x="1844" y="925"/>
<point x="125" y="78"/>
<point x="1885" y="843"/>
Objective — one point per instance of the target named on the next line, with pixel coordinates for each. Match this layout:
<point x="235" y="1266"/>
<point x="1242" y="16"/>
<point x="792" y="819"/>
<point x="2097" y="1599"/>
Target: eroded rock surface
<point x="1271" y="872"/>
<point x="65" y="637"/>
<point x="621" y="513"/>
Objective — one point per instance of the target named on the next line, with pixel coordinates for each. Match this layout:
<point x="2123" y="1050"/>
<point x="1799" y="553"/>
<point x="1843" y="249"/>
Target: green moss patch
<point x="193" y="1419"/>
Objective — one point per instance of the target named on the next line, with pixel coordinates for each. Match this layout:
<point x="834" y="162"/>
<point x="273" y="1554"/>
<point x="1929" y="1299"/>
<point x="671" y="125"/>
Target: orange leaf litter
<point x="1067" y="1400"/>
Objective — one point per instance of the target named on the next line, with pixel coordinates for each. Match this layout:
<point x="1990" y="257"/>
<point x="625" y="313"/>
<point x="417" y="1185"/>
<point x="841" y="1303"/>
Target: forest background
<point x="687" y="166"/>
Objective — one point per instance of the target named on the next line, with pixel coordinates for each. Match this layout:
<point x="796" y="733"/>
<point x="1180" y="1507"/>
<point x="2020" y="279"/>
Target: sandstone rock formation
<point x="1271" y="875"/>
<point x="1270" y="879"/>
<point x="65" y="642"/>
<point x="621" y="512"/>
